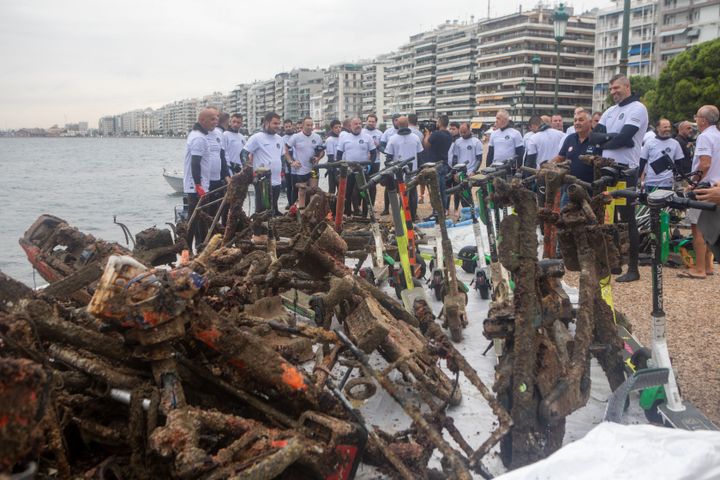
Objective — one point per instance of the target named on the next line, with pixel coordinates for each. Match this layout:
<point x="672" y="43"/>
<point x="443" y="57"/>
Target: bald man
<point x="197" y="168"/>
<point x="401" y="146"/>
<point x="505" y="141"/>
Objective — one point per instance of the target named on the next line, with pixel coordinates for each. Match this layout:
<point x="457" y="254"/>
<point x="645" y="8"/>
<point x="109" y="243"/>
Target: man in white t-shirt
<point x="372" y="131"/>
<point x="413" y="126"/>
<point x="543" y="146"/>
<point x="556" y="122"/>
<point x="331" y="143"/>
<point x="533" y="126"/>
<point x="266" y="150"/>
<point x="288" y="130"/>
<point x="619" y="134"/>
<point x="468" y="150"/>
<point x="505" y="142"/>
<point x="655" y="155"/>
<point x="355" y="146"/>
<point x="233" y="142"/>
<point x="305" y="154"/>
<point x="196" y="181"/>
<point x="401" y="146"/>
<point x="706" y="161"/>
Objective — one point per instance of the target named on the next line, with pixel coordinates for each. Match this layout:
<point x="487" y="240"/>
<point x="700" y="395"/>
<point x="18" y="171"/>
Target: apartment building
<point x="399" y="82"/>
<point x="683" y="24"/>
<point x="301" y="84"/>
<point x="642" y="58"/>
<point x="455" y="61"/>
<point x="342" y="91"/>
<point x="505" y="48"/>
<point x="424" y="47"/>
<point x="373" y="88"/>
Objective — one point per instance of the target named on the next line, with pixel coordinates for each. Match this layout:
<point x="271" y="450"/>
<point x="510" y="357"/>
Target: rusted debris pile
<point x="543" y="371"/>
<point x="235" y="363"/>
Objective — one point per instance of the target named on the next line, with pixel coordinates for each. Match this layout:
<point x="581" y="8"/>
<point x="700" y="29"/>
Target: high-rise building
<point x="373" y="87"/>
<point x="683" y="24"/>
<point x="302" y="83"/>
<point x="455" y="60"/>
<point x="280" y="94"/>
<point x="342" y="91"/>
<point x="423" y="74"/>
<point x="506" y="46"/>
<point x="399" y="82"/>
<point x="106" y="125"/>
<point x="642" y="46"/>
<point x="260" y="100"/>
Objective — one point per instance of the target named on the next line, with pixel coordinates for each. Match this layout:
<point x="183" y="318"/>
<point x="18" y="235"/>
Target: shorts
<point x="693" y="215"/>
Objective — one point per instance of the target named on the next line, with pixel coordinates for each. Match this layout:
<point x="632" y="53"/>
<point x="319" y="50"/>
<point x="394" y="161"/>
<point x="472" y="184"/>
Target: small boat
<point x="175" y="180"/>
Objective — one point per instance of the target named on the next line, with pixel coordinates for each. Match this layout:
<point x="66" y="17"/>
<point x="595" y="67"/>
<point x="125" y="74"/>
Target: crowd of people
<point x="291" y="152"/>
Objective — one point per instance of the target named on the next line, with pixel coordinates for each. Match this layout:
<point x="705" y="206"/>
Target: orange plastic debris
<point x="292" y="377"/>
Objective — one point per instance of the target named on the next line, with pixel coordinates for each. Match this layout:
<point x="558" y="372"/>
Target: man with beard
<point x="355" y="146"/>
<point x="660" y="148"/>
<point x="288" y="131"/>
<point x="233" y="142"/>
<point x="468" y="150"/>
<point x="622" y="128"/>
<point x="266" y="150"/>
<point x="331" y="150"/>
<point x="685" y="139"/>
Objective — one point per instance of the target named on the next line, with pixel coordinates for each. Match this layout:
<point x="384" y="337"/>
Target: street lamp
<point x="536" y="71"/>
<point x="513" y="102"/>
<point x="560" y="20"/>
<point x="522" y="103"/>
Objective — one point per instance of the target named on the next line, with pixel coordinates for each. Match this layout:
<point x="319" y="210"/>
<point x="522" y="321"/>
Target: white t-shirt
<point x="527" y="137"/>
<point x="233" y="143"/>
<point x="655" y="148"/>
<point x="416" y="131"/>
<point x="196" y="145"/>
<point x="387" y="134"/>
<point x="331" y="145"/>
<point x="402" y="147"/>
<point x="504" y="143"/>
<point x="570" y="130"/>
<point x="376" y="135"/>
<point x="648" y="135"/>
<point x="546" y="144"/>
<point x="214" y="140"/>
<point x="614" y="119"/>
<point x="467" y="150"/>
<point x="355" y="148"/>
<point x="708" y="143"/>
<point x="267" y="151"/>
<point x="303" y="150"/>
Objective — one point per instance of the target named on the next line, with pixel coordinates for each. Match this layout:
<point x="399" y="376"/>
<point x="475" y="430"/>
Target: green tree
<point x="689" y="80"/>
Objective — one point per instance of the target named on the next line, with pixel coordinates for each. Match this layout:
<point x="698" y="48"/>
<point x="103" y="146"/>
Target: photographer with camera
<point x="707" y="162"/>
<point x="505" y="142"/>
<point x="437" y="144"/>
<point x="304" y="152"/>
<point x="657" y="157"/>
<point x="620" y="134"/>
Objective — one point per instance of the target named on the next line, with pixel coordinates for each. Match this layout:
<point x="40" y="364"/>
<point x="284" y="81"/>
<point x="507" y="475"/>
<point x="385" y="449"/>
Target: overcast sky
<point x="77" y="60"/>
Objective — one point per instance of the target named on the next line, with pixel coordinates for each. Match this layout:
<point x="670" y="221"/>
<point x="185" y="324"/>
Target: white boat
<point x="174" y="179"/>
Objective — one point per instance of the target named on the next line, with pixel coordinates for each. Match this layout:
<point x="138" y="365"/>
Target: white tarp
<point x="616" y="451"/>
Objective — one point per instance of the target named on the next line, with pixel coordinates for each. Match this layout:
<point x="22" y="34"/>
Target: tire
<point x="482" y="285"/>
<point x="469" y="266"/>
<point x="484" y="292"/>
<point x="641" y="357"/>
<point x="652" y="415"/>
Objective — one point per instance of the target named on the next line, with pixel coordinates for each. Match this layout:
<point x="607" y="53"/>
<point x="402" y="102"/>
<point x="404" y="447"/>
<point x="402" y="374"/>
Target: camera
<point x="662" y="164"/>
<point x="429" y="125"/>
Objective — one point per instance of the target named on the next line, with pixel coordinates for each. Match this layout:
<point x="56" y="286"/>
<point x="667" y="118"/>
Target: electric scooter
<point x="343" y="166"/>
<point x="405" y="284"/>
<point x="481" y="277"/>
<point x="663" y="403"/>
<point x="447" y="285"/>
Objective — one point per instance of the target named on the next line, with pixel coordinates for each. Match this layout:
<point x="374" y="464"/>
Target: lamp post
<point x="522" y="104"/>
<point x="560" y="20"/>
<point x="513" y="102"/>
<point x="536" y="71"/>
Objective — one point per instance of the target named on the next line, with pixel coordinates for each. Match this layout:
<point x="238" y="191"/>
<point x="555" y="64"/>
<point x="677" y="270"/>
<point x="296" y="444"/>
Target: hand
<point x="295" y="164"/>
<point x="711" y="194"/>
<point x="200" y="190"/>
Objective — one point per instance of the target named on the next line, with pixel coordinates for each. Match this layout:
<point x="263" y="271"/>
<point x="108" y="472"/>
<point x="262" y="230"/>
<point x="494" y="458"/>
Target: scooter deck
<point x="689" y="419"/>
<point x="631" y="345"/>
<point x="649" y="377"/>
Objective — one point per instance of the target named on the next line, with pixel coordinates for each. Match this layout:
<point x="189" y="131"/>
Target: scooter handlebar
<point x="342" y="163"/>
<point x="662" y="199"/>
<point x="684" y="203"/>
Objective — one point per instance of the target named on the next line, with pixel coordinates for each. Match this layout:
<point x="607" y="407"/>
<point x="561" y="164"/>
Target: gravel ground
<point x="693" y="324"/>
<point x="693" y="329"/>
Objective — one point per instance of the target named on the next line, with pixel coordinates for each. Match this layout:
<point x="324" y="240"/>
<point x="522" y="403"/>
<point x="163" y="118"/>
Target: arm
<point x="531" y="160"/>
<point x="373" y="154"/>
<point x="196" y="169"/>
<point x="490" y="156"/>
<point x="224" y="169"/>
<point x="520" y="151"/>
<point x="641" y="168"/>
<point x="339" y="155"/>
<point x="426" y="140"/>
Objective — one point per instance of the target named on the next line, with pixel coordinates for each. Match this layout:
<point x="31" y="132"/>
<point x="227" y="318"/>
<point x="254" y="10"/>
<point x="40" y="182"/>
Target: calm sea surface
<point x="84" y="181"/>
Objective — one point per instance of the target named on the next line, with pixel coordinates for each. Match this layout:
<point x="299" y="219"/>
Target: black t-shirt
<point x="440" y="142"/>
<point x="571" y="149"/>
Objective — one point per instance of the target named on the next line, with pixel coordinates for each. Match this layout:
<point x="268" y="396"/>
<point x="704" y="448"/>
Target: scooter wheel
<point x="653" y="415"/>
<point x="398" y="289"/>
<point x="469" y="266"/>
<point x="421" y="266"/>
<point x="640" y="358"/>
<point x="484" y="291"/>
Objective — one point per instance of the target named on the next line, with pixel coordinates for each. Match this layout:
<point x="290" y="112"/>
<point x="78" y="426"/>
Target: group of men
<point x="291" y="153"/>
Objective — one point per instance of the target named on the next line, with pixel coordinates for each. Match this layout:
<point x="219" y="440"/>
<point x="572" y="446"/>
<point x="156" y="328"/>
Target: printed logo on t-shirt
<point x="469" y="147"/>
<point x="507" y="137"/>
<point x="667" y="150"/>
<point x="217" y="139"/>
<point x="314" y="142"/>
<point x="570" y="149"/>
<point x="622" y="115"/>
<point x="277" y="145"/>
<point x="361" y="141"/>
